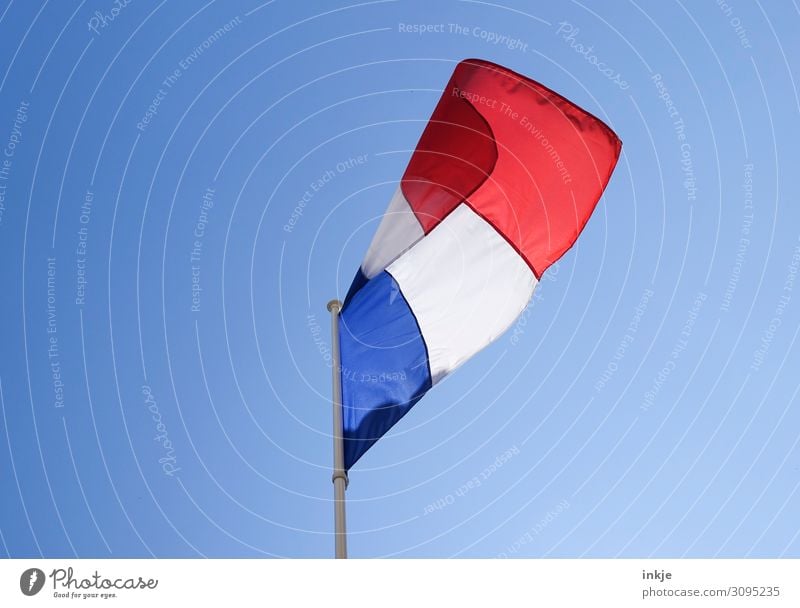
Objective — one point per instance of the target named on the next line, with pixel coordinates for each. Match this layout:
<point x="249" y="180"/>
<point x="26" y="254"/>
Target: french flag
<point x="502" y="181"/>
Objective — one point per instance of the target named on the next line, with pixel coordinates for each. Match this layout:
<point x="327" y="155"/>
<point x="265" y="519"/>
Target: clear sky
<point x="183" y="187"/>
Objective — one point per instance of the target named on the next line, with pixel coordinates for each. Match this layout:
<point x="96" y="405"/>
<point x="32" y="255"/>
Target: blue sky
<point x="185" y="185"/>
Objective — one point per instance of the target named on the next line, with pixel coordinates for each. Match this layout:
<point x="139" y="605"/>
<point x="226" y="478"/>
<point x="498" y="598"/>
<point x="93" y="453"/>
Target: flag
<point x="504" y="178"/>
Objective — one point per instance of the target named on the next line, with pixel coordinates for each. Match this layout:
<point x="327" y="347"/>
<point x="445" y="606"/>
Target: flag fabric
<point x="504" y="178"/>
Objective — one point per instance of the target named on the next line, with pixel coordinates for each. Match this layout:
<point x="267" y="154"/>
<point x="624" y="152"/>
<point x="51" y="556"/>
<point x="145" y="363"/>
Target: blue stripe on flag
<point x="384" y="363"/>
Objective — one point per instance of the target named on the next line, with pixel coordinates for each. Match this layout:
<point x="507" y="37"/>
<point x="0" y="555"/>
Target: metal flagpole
<point x="339" y="474"/>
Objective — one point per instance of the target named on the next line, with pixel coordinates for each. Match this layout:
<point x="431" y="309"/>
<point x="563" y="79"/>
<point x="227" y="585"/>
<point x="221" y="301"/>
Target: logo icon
<point x="31" y="581"/>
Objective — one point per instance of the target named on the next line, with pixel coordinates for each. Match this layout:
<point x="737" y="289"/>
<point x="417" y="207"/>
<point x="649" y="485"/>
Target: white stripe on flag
<point x="465" y="284"/>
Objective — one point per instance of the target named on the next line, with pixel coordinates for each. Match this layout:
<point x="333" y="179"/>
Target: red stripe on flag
<point x="529" y="161"/>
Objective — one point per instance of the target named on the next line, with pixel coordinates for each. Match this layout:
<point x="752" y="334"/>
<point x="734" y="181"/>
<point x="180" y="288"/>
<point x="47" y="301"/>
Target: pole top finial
<point x="334" y="306"/>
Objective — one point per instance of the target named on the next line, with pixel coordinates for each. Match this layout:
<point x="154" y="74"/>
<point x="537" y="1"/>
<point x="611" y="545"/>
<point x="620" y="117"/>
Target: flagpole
<point x="339" y="474"/>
